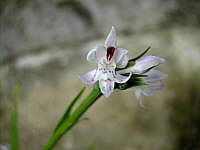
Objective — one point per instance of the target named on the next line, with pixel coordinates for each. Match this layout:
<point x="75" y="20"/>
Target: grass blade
<point x="139" y="75"/>
<point x="13" y="120"/>
<point x="69" y="109"/>
<point x="142" y="54"/>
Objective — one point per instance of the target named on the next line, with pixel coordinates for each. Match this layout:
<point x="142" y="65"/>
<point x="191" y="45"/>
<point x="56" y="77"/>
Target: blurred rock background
<point x="43" y="46"/>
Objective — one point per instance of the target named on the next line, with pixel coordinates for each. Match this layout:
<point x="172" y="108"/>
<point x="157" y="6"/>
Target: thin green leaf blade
<point x="135" y="75"/>
<point x="69" y="108"/>
<point x="139" y="75"/>
<point x="13" y="129"/>
<point x="13" y="119"/>
<point x="136" y="83"/>
<point x="142" y="54"/>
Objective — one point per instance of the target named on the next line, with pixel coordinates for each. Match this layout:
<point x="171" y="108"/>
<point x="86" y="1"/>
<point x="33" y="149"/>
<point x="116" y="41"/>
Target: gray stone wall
<point x="43" y="46"/>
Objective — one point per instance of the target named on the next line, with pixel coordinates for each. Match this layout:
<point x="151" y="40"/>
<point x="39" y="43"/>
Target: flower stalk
<point x="74" y="117"/>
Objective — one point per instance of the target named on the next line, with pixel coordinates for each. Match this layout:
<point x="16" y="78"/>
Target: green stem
<point x="72" y="120"/>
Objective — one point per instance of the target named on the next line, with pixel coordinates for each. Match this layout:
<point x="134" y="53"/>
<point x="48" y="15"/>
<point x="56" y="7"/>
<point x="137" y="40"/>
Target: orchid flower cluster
<point x="115" y="71"/>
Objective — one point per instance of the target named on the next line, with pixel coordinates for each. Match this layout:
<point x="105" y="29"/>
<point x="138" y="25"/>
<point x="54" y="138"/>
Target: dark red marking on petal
<point x="110" y="52"/>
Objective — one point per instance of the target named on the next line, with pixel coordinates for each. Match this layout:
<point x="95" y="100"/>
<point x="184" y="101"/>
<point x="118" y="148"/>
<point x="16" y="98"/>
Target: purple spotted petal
<point x="111" y="39"/>
<point x="122" y="79"/>
<point x="89" y="77"/>
<point x="106" y="86"/>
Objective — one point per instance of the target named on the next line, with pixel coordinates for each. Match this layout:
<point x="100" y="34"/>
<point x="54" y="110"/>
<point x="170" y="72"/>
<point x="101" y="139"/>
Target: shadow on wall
<point x="185" y="111"/>
<point x="186" y="12"/>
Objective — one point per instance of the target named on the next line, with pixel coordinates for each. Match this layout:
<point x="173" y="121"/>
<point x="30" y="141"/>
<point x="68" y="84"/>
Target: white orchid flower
<point x="153" y="78"/>
<point x="108" y="57"/>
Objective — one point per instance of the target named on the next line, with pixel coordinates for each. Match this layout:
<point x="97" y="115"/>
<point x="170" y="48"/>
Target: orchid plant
<point x="115" y="72"/>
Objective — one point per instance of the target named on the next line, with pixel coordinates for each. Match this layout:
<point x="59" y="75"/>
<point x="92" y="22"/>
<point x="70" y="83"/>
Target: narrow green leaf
<point x="136" y="83"/>
<point x="69" y="109"/>
<point x="13" y="119"/>
<point x="139" y="75"/>
<point x="142" y="54"/>
<point x="13" y="129"/>
<point x="135" y="75"/>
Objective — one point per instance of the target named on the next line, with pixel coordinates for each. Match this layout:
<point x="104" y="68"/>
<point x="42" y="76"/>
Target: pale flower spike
<point x="108" y="57"/>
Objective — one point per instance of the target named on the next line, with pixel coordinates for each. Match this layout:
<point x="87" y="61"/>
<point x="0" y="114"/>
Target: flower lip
<point x="110" y="52"/>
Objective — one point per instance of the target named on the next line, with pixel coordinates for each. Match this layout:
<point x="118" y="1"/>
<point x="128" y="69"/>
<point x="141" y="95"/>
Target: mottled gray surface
<point x="43" y="45"/>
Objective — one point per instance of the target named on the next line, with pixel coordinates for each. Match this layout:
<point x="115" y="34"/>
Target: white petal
<point x="100" y="52"/>
<point x="152" y="88"/>
<point x="138" y="94"/>
<point x="89" y="77"/>
<point x="123" y="62"/>
<point x="148" y="90"/>
<point x="154" y="75"/>
<point x="119" y="55"/>
<point x="106" y="86"/>
<point x="91" y="56"/>
<point x="147" y="62"/>
<point x="144" y="64"/>
<point x="111" y="39"/>
<point x="122" y="79"/>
